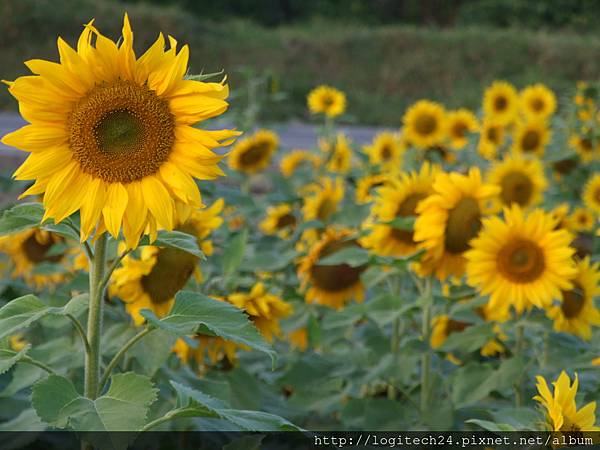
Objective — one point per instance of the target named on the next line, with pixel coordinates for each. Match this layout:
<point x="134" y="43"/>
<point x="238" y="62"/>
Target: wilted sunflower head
<point x="537" y="102"/>
<point x="253" y="153"/>
<point x="111" y="135"/>
<point x="280" y="221"/>
<point x="591" y="194"/>
<point x="460" y="124"/>
<point x="296" y="158"/>
<point x="531" y="137"/>
<point x="424" y="124"/>
<point x="326" y="100"/>
<point x="501" y="102"/>
<point x="386" y="150"/>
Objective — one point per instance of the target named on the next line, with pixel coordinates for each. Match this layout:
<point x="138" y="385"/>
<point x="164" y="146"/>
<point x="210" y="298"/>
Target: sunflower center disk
<point x="493" y="135"/>
<point x="326" y="209"/>
<point x="464" y="222"/>
<point x="386" y="153"/>
<point x="287" y="220"/>
<point x="169" y="275"/>
<point x="425" y="124"/>
<point x="407" y="209"/>
<point x="521" y="261"/>
<point x="573" y="301"/>
<point x="500" y="103"/>
<point x="530" y="141"/>
<point x="338" y="277"/>
<point x="537" y="104"/>
<point x="37" y="252"/>
<point x="516" y="188"/>
<point x="254" y="154"/>
<point x="121" y="132"/>
<point x="454" y="326"/>
<point x="459" y="130"/>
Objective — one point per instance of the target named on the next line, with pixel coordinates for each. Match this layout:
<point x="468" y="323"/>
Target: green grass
<point x="381" y="69"/>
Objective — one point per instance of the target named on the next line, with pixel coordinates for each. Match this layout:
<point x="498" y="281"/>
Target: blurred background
<point x="384" y="54"/>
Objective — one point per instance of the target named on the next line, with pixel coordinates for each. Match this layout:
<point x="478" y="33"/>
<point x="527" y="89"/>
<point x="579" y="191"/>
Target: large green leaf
<point x="123" y="408"/>
<point x="175" y="239"/>
<point x="193" y="312"/>
<point x="9" y="358"/>
<point x="351" y="256"/>
<point x="492" y="426"/>
<point x="469" y="340"/>
<point x="26" y="421"/>
<point x="472" y="383"/>
<point x="23" y="311"/>
<point x="234" y="253"/>
<point x="193" y="403"/>
<point x="28" y="215"/>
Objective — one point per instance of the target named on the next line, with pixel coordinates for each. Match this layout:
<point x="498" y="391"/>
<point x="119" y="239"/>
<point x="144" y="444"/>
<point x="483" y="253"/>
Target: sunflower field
<point x="167" y="269"/>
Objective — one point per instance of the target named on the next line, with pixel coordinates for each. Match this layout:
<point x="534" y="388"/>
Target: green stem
<point x="112" y="364"/>
<point x="112" y="268"/>
<point x="168" y="416"/>
<point x="519" y="346"/>
<point x="95" y="316"/>
<point x="81" y="332"/>
<point x="427" y="300"/>
<point x="35" y="362"/>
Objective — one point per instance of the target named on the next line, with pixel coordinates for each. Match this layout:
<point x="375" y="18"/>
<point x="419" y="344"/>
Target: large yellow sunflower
<point x="460" y="124"/>
<point x="520" y="260"/>
<point x="398" y="199"/>
<point x="537" y="102"/>
<point x="501" y="102"/>
<point x="577" y="312"/>
<point x="326" y="100"/>
<point x="448" y="219"/>
<point x="112" y="135"/>
<point x="591" y="194"/>
<point x="366" y="187"/>
<point x="588" y="148"/>
<point x="531" y="137"/>
<point x="520" y="180"/>
<point x="386" y="151"/>
<point x="561" y="409"/>
<point x="296" y="158"/>
<point x="253" y="153"/>
<point x="280" y="221"/>
<point x="330" y="285"/>
<point x="425" y="124"/>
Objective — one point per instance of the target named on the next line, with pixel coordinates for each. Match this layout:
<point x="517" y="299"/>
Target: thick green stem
<point x="427" y="300"/>
<point x="519" y="347"/>
<point x="95" y="315"/>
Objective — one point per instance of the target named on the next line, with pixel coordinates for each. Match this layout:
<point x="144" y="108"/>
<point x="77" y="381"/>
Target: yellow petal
<point x="159" y="202"/>
<point x="116" y="203"/>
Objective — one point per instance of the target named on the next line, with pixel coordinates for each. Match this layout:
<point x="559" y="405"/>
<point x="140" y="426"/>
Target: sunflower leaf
<point x="193" y="311"/>
<point x="402" y="223"/>
<point x="177" y="240"/>
<point x="9" y="358"/>
<point x="351" y="256"/>
<point x="193" y="403"/>
<point x="21" y="217"/>
<point x="491" y="426"/>
<point x="234" y="253"/>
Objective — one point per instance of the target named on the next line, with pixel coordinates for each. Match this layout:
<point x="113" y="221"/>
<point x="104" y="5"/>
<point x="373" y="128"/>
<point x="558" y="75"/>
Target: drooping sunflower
<point x="501" y="102"/>
<point x="425" y="124"/>
<point x="340" y="155"/>
<point x="264" y="309"/>
<point x="531" y="137"/>
<point x="386" y="151"/>
<point x="561" y="409"/>
<point x="460" y="124"/>
<point x="491" y="139"/>
<point x="587" y="148"/>
<point x="520" y="260"/>
<point x="330" y="285"/>
<point x="537" y="102"/>
<point x="296" y="158"/>
<point x="326" y="100"/>
<point x="111" y="135"/>
<point x="591" y="194"/>
<point x="521" y="180"/>
<point x="254" y="153"/>
<point x="581" y="219"/>
<point x="280" y="221"/>
<point x="366" y="187"/>
<point x="448" y="219"/>
<point x="399" y="199"/>
<point x="576" y="313"/>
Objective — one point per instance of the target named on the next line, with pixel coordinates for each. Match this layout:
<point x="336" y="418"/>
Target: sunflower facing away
<point x="448" y="219"/>
<point x="399" y="199"/>
<point x="587" y="148"/>
<point x="386" y="151"/>
<point x="297" y="158"/>
<point x="531" y="137"/>
<point x="501" y="102"/>
<point x="425" y="124"/>
<point x="460" y="124"/>
<point x="537" y="102"/>
<point x="520" y="260"/>
<point x="520" y="180"/>
<point x="253" y="153"/>
<point x="561" y="409"/>
<point x="326" y="100"/>
<point x="280" y="221"/>
<point x="591" y="194"/>
<point x="112" y="135"/>
<point x="330" y="285"/>
<point x="491" y="139"/>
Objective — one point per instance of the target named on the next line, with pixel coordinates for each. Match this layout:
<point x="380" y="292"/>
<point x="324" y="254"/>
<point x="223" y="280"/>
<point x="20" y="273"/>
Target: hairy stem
<point x="80" y="331"/>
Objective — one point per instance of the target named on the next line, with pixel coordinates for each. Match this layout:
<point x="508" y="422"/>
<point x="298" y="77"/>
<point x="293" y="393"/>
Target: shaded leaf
<point x="177" y="240"/>
<point x="234" y="253"/>
<point x="9" y="358"/>
<point x="351" y="256"/>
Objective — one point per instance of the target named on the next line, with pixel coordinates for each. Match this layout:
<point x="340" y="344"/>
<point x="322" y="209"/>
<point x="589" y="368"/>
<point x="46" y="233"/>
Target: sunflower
<point x="448" y="219"/>
<point x="443" y="326"/>
<point x="560" y="217"/>
<point x="460" y="124"/>
<point x="520" y="261"/>
<point x="491" y="139"/>
<point x="340" y="156"/>
<point x="386" y="151"/>
<point x="324" y="200"/>
<point x="591" y="194"/>
<point x="520" y="180"/>
<point x="587" y="148"/>
<point x="398" y="199"/>
<point x="253" y="153"/>
<point x="330" y="285"/>
<point x="425" y="124"/>
<point x="296" y="158"/>
<point x="564" y="167"/>
<point x="264" y="309"/>
<point x="577" y="312"/>
<point x="280" y="221"/>
<point x="561" y="409"/>
<point x="537" y="102"/>
<point x="501" y="102"/>
<point x="581" y="219"/>
<point x="531" y="137"/>
<point x="111" y="136"/>
<point x="366" y="187"/>
<point x="212" y="347"/>
<point x="326" y="100"/>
